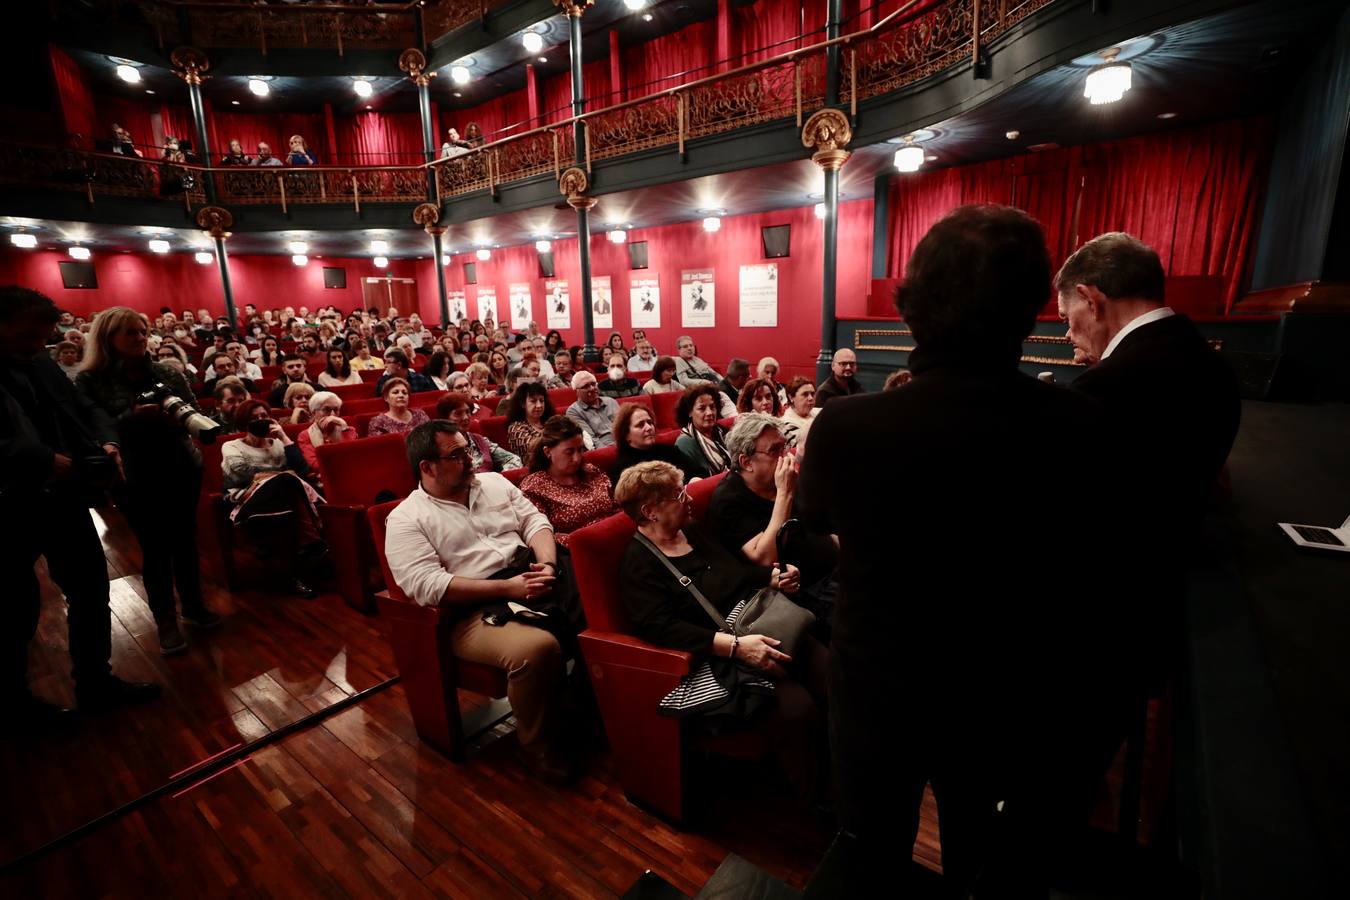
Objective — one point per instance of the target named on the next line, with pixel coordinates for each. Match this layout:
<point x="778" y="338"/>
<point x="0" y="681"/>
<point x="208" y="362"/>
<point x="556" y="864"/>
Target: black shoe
<point x="24" y="713"/>
<point x="110" y="692"/>
<point x="201" y="617"/>
<point x="171" y="640"/>
<point x="302" y="590"/>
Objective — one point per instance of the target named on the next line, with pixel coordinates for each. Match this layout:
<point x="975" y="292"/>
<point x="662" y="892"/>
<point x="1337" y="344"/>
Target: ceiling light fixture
<point x="543" y="59"/>
<point x="458" y="94"/>
<point x="459" y="74"/>
<point x="203" y="257"/>
<point x="1167" y="115"/>
<point x="617" y="236"/>
<point x="484" y="254"/>
<point x="129" y="74"/>
<point x="159" y="246"/>
<point x="259" y="87"/>
<point x="543" y="246"/>
<point x="635" y="5"/>
<point x="363" y="87"/>
<point x="820" y="210"/>
<point x="647" y="17"/>
<point x="379" y="247"/>
<point x="381" y="262"/>
<point x="1108" y="82"/>
<point x="533" y="41"/>
<point x="26" y="241"/>
<point x="78" y="252"/>
<point x="445" y="259"/>
<point x="300" y="259"/>
<point x="148" y="91"/>
<point x="909" y="158"/>
<point x="298" y="248"/>
<point x="712" y="224"/>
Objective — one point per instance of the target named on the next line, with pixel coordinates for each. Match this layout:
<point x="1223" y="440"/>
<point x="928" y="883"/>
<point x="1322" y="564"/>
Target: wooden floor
<point x="352" y="806"/>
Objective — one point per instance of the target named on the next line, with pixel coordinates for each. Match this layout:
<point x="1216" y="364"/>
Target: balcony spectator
<point x="300" y="154"/>
<point x="326" y="426"/>
<point x="571" y="492"/>
<point x="485" y="455"/>
<point x="760" y="395"/>
<point x="454" y="145"/>
<point x="593" y="412"/>
<point x="399" y="419"/>
<point x="338" y="370"/>
<point x="688" y="367"/>
<point x="236" y="156"/>
<point x="619" y="383"/>
<point x="396" y="365"/>
<point x="121" y="142"/>
<point x="800" y="412"/>
<point x="293" y="371"/>
<point x="702" y="440"/>
<point x="265" y="157"/>
<point x="473" y="135"/>
<point x="530" y="408"/>
<point x="635" y="438"/>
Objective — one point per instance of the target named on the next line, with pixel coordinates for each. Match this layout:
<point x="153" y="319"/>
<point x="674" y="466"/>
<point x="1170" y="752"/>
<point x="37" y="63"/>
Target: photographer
<point x="50" y="436"/>
<point x="157" y="450"/>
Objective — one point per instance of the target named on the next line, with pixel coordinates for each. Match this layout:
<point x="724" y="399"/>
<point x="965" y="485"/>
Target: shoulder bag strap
<point x="684" y="580"/>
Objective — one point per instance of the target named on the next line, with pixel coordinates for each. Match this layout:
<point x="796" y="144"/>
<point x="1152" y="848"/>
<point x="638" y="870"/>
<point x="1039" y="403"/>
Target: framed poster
<point x="602" y="302"/>
<point x="487" y="304"/>
<point x="459" y="307"/>
<point x="522" y="312"/>
<point x="698" y="299"/>
<point x="759" y="296"/>
<point x="645" y="296"/>
<point x="558" y="302"/>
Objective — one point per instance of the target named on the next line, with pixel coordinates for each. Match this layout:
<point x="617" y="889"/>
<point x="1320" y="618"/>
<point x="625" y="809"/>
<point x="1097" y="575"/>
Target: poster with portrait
<point x="487" y="303"/>
<point x="558" y="302"/>
<point x="522" y="312"/>
<point x="459" y="307"/>
<point x="602" y="302"/>
<point x="645" y="296"/>
<point x="698" y="299"/>
<point x="759" y="296"/>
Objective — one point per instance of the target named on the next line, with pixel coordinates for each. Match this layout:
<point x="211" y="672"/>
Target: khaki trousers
<point x="533" y="663"/>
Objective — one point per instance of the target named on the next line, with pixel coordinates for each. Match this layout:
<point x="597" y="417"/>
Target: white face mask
<point x="615" y="373"/>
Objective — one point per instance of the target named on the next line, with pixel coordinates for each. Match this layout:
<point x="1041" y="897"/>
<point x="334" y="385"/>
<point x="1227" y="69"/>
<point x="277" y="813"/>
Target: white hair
<point x="579" y="378"/>
<point x="749" y="427"/>
<point x="319" y="398"/>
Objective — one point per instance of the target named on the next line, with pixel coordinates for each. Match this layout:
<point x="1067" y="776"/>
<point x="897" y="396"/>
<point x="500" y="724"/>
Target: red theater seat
<point x="561" y="398"/>
<point x="516" y="476"/>
<point x="604" y="458"/>
<point x="269" y="375"/>
<point x="663" y="408"/>
<point x="370" y="376"/>
<point x="494" y="429"/>
<point x="640" y="400"/>
<point x="430" y="673"/>
<point x="349" y="391"/>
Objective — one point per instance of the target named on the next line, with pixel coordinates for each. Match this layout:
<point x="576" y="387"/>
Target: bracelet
<point x="735" y="643"/>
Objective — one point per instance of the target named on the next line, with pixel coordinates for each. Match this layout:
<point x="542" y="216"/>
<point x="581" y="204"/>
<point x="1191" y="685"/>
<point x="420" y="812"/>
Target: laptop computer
<point x="1319" y="537"/>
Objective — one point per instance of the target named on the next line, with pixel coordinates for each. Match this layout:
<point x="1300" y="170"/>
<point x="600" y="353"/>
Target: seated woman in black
<point x="756" y="684"/>
<point x="635" y="439"/>
<point x="757" y="499"/>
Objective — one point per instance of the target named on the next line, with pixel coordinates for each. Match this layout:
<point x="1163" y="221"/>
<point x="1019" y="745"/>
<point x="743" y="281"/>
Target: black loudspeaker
<point x="1258" y="374"/>
<point x="777" y="240"/>
<point x="637" y="255"/>
<point x="546" y="264"/>
<point x="471" y="273"/>
<point x="78" y="275"/>
<point x="334" y="277"/>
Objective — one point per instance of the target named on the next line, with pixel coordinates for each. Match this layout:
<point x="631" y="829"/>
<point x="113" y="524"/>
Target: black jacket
<point x="832" y="387"/>
<point x="25" y="455"/>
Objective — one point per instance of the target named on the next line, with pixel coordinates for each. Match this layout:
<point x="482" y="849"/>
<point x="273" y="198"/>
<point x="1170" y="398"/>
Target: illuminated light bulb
<point x="543" y="246"/>
<point x="381" y="262"/>
<point x="820" y="210"/>
<point x="158" y="246"/>
<point x="299" y="248"/>
<point x="712" y="223"/>
<point x="203" y="257"/>
<point x="129" y="74"/>
<point x="379" y="247"/>
<point x="300" y="259"/>
<point x="533" y="41"/>
<point x="79" y="252"/>
<point x="459" y="75"/>
<point x="259" y="87"/>
<point x="909" y="158"/>
<point x="635" y="4"/>
<point x="484" y="254"/>
<point x="618" y="236"/>
<point x="445" y="259"/>
<point x="1107" y="83"/>
<point x="362" y="87"/>
<point x="26" y="241"/>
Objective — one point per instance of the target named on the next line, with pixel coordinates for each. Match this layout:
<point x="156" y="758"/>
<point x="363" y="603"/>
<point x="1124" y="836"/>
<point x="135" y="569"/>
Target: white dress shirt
<point x="638" y="364"/>
<point x="1153" y="315"/>
<point x="429" y="541"/>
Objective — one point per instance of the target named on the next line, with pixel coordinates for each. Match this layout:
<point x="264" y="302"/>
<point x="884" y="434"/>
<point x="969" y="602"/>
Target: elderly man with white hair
<point x="592" y="411"/>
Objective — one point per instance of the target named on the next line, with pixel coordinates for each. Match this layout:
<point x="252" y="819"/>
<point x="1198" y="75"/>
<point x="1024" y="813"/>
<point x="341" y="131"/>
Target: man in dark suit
<point x="953" y="662"/>
<point x="55" y="449"/>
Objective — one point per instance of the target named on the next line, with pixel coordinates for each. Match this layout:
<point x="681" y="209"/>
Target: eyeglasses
<point x="774" y="452"/>
<point x="846" y="364"/>
<point x="682" y="496"/>
<point x="460" y="456"/>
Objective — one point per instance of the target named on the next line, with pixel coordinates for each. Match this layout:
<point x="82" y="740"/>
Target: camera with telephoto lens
<point x="199" y="426"/>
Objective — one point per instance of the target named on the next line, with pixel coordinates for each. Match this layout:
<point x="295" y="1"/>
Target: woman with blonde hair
<point x="156" y="450"/>
<point x="296" y="399"/>
<point x="300" y="154"/>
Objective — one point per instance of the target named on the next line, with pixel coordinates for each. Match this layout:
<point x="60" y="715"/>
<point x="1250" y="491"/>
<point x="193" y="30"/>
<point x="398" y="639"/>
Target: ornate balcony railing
<point x="908" y="45"/>
<point x="284" y="26"/>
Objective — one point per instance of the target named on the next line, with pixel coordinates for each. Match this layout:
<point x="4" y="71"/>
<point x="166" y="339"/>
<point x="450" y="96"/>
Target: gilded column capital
<point x="573" y="183"/>
<point x="215" y="219"/>
<point x="190" y="64"/>
<point x="428" y="215"/>
<point x="828" y="131"/>
<point x="414" y="62"/>
<point x="574" y="7"/>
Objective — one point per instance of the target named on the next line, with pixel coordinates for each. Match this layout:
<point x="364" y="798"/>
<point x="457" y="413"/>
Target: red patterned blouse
<point x="570" y="506"/>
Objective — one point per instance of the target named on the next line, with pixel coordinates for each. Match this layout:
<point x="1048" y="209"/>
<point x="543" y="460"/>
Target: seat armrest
<point x="609" y="648"/>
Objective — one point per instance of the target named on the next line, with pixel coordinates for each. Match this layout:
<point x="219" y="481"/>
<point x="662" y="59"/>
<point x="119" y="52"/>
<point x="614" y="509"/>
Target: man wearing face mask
<point x="619" y="383"/>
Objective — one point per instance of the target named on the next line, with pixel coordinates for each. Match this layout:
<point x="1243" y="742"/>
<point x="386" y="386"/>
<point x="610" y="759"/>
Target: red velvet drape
<point x="379" y="139"/>
<point x="670" y="59"/>
<point x="133" y="115"/>
<point x="495" y="116"/>
<point x="557" y="91"/>
<point x="1192" y="194"/>
<point x="274" y="129"/>
<point x="77" y="103"/>
<point x="767" y="28"/>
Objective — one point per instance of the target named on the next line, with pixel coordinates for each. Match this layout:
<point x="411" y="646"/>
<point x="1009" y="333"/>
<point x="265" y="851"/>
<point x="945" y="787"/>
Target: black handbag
<point x="769" y="611"/>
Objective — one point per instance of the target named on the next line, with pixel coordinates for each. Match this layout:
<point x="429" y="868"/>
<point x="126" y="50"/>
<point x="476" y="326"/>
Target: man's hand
<point x="112" y="451"/>
<point x="531" y="585"/>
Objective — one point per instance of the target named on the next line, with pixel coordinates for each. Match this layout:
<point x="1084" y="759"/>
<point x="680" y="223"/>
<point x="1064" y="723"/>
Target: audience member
<point x="663" y="378"/>
<point x="593" y="412"/>
<point x="571" y="492"/>
<point x="688" y="367"/>
<point x="517" y="376"/>
<point x="300" y="154"/>
<point x="486" y="455"/>
<point x="979" y="638"/>
<point x="480" y="381"/>
<point x="801" y="411"/>
<point x="293" y="371"/>
<point x="473" y="542"/>
<point x="268" y="352"/>
<point x="156" y="450"/>
<point x="58" y="447"/>
<point x="737" y="681"/>
<point x="759" y="395"/>
<point x="267" y="480"/>
<point x="738" y="371"/>
<point x="397" y="365"/>
<point x="843" y="381"/>
<point x="68" y="358"/>
<point x="619" y="384"/>
<point x="614" y="345"/>
<point x="702" y="440"/>
<point x="236" y="156"/>
<point x="438" y="369"/>
<point x="326" y="427"/>
<point x="296" y="400"/>
<point x="265" y="157"/>
<point x="121" y="142"/>
<point x="768" y="368"/>
<point x="243" y="367"/>
<point x="530" y="409"/>
<point x="499" y="369"/>
<point x="360" y="358"/>
<point x="338" y="370"/>
<point x="229" y="394"/>
<point x="635" y="438"/>
<point x="225" y="366"/>
<point x="643" y="358"/>
<point x="562" y="367"/>
<point x="399" y="419"/>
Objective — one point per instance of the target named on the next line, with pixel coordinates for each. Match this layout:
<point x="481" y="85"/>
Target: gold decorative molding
<point x="215" y="219"/>
<point x="426" y="214"/>
<point x="573" y="7"/>
<point x="860" y="344"/>
<point x="573" y="183"/>
<point x="414" y="62"/>
<point x="828" y="131"/>
<point x="190" y="64"/>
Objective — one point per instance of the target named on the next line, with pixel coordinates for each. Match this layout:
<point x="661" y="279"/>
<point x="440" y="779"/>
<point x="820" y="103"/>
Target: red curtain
<point x="77" y="103"/>
<point x="274" y="129"/>
<point x="670" y="60"/>
<point x="133" y="115"/>
<point x="494" y="116"/>
<point x="379" y="139"/>
<point x="1192" y="194"/>
<point x="556" y="100"/>
<point x="766" y="29"/>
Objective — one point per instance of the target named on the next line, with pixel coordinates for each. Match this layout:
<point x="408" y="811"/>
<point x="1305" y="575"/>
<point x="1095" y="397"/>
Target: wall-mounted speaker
<point x="777" y="241"/>
<point x="471" y="273"/>
<point x="78" y="275"/>
<point x="637" y="255"/>
<point x="334" y="277"/>
<point x="546" y="264"/>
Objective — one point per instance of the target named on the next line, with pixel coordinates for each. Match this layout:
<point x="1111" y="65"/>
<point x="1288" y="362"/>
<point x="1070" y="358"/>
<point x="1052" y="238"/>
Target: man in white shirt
<point x="470" y="541"/>
<point x="689" y="369"/>
<point x="644" y="359"/>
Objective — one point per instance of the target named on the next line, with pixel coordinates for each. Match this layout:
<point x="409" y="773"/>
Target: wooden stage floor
<point x="352" y="806"/>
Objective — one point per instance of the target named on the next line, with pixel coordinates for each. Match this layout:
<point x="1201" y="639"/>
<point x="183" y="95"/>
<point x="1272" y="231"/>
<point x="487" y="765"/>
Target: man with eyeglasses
<point x="844" y="380"/>
<point x="476" y="544"/>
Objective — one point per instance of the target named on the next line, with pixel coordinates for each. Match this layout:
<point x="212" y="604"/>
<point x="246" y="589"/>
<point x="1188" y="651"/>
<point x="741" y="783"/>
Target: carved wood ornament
<point x="573" y="183"/>
<point x="828" y="131"/>
<point x="215" y="219"/>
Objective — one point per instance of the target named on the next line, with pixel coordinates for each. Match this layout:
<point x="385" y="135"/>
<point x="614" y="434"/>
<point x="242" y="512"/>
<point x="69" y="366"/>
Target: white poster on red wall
<point x="522" y="312"/>
<point x="759" y="296"/>
<point x="558" y="302"/>
<point x="698" y="299"/>
<point x="645" y="296"/>
<point x="602" y="302"/>
<point x="487" y="304"/>
<point x="459" y="308"/>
